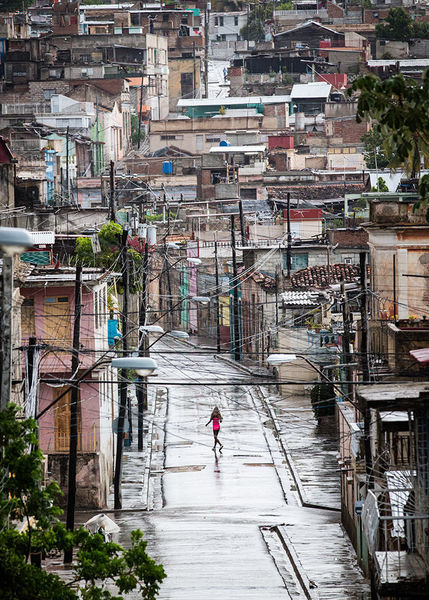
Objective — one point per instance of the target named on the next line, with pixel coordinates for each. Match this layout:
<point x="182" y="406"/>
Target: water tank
<point x="224" y="143"/>
<point x="299" y="121"/>
<point x="167" y="167"/>
<point x="151" y="235"/>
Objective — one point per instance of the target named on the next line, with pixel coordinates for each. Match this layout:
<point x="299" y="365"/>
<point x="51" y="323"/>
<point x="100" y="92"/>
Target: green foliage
<point x="381" y="186"/>
<point x="135" y="129"/>
<point x="159" y="217"/>
<point x="285" y="5"/>
<point x="254" y="29"/>
<point x="109" y="237"/>
<point x="377" y="153"/>
<point x="14" y="5"/>
<point x="399" y="107"/>
<point x="399" y="26"/>
<point x="24" y="500"/>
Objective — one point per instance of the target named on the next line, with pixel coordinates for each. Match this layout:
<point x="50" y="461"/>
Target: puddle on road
<point x="185" y="468"/>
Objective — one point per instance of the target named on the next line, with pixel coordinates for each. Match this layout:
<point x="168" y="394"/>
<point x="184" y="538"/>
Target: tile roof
<point x="321" y="277"/>
<point x="266" y="281"/>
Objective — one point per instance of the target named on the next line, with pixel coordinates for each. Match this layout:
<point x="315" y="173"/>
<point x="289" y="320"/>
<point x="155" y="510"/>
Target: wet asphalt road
<point x="209" y="507"/>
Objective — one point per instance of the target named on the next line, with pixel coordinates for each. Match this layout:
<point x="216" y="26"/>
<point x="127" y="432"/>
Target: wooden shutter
<point x="62" y="421"/>
<point x="57" y="321"/>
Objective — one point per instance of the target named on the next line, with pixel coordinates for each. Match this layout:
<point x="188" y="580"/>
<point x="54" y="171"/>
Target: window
<point x="221" y="21"/>
<point x="236" y="21"/>
<point x="216" y="21"/>
<point x="186" y="85"/>
<point x="200" y="142"/>
<point x="57" y="321"/>
<point x="62" y="421"/>
<point x="298" y="261"/>
<point x="27" y="318"/>
<point x="212" y="138"/>
<point x="47" y="94"/>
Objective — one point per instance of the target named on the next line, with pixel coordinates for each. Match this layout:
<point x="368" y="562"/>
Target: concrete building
<point x="48" y="315"/>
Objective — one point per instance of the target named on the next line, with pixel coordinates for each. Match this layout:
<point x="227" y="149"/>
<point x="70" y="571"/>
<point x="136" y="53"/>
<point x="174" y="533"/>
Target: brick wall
<point x="349" y="238"/>
<point x="349" y="130"/>
<point x="335" y="11"/>
<point x="36" y="88"/>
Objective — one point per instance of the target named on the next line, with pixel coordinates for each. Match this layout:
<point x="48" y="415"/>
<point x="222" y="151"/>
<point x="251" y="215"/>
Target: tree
<point x="109" y="237"/>
<point x="29" y="524"/>
<point x="255" y="27"/>
<point x="398" y="25"/>
<point x="376" y="154"/>
<point x="399" y="107"/>
<point x="14" y="5"/>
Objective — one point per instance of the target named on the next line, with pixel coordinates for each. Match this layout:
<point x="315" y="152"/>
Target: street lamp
<point x="201" y="299"/>
<point x="13" y="241"/>
<point x="144" y="367"/>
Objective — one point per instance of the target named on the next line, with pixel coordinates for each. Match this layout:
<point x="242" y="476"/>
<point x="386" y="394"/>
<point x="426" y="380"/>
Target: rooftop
<point x="230" y="149"/>
<point x="318" y="89"/>
<point x="200" y="102"/>
<point x="321" y="277"/>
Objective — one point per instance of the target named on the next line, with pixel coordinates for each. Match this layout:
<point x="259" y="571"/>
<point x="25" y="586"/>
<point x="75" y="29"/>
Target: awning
<point x="421" y="355"/>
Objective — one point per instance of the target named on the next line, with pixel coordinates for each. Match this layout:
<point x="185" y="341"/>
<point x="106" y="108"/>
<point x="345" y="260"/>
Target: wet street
<point x="231" y="525"/>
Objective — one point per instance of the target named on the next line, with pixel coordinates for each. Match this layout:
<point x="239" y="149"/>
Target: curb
<point x="297" y="480"/>
<point x="306" y="585"/>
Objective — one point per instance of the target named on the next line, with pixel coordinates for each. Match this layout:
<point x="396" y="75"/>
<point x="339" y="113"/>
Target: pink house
<point x="48" y="315"/>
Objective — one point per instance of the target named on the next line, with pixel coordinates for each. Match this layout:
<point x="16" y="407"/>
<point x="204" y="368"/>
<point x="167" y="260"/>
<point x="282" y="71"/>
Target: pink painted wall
<point x="58" y="364"/>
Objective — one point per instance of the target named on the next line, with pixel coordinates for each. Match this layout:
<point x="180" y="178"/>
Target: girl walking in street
<point x="216" y="418"/>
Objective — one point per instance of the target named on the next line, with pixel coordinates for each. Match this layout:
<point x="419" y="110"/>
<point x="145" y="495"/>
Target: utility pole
<point x="217" y="301"/>
<point x="289" y="238"/>
<point x="236" y="323"/>
<point x="67" y="164"/>
<point x="170" y="299"/>
<point x="243" y="234"/>
<point x="346" y="338"/>
<point x="123" y="387"/>
<point x="74" y="408"/>
<point x="206" y="49"/>
<point x="6" y="338"/>
<point x="364" y="318"/>
<point x="141" y="108"/>
<point x="112" y="211"/>
<point x="142" y="385"/>
<point x="365" y="368"/>
<point x="194" y="83"/>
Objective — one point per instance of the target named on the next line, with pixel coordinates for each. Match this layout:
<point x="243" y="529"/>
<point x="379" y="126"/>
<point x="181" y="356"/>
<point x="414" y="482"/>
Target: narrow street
<point x="231" y="524"/>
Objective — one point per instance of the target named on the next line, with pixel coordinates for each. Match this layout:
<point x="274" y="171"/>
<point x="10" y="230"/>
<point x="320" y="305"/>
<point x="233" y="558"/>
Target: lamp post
<point x="142" y="385"/>
<point x="13" y="241"/>
<point x="144" y="366"/>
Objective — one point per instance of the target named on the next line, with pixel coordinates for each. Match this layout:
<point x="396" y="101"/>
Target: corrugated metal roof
<point x="300" y="298"/>
<point x="318" y="89"/>
<point x="246" y="149"/>
<point x="43" y="237"/>
<point x="405" y="62"/>
<point x="200" y="102"/>
<point x="304" y="25"/>
<point x="421" y="355"/>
